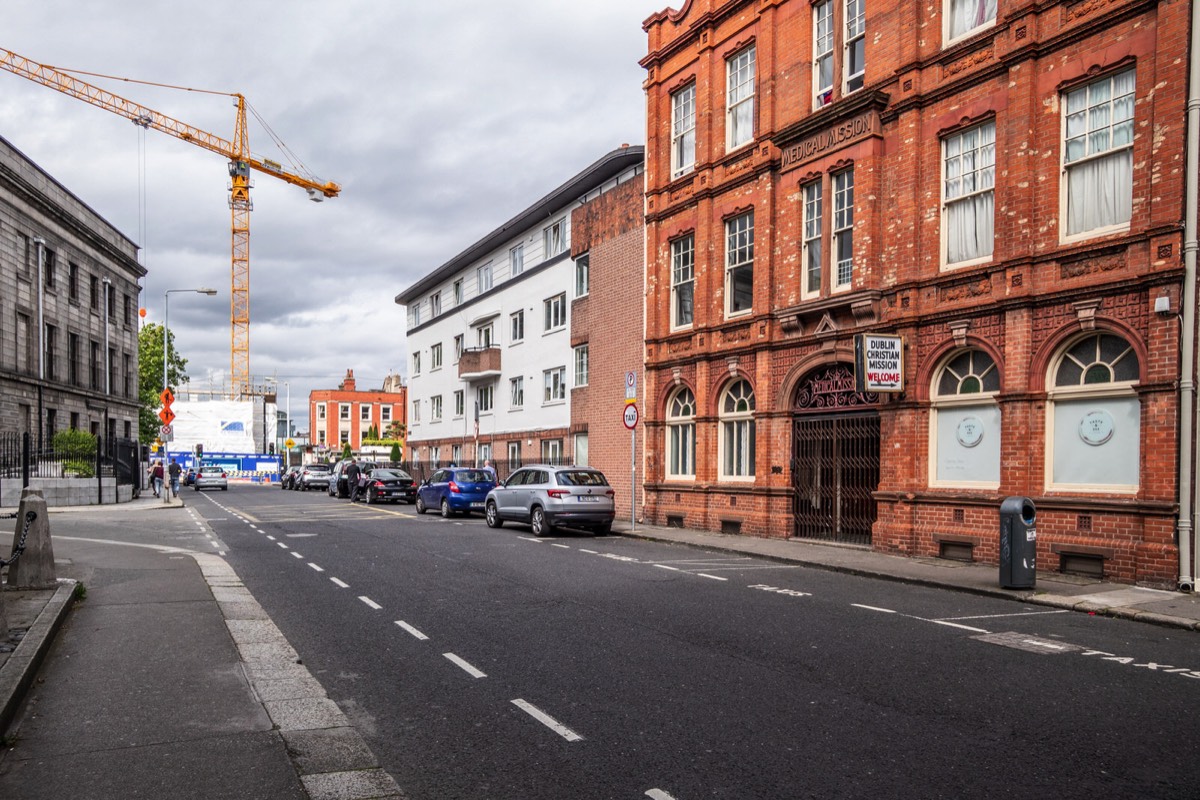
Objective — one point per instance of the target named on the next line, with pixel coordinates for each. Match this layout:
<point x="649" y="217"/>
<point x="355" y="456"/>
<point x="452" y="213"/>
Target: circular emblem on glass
<point x="970" y="431"/>
<point x="1096" y="427"/>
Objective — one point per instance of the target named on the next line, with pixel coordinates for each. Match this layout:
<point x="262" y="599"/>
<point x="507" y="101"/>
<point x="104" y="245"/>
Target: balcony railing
<point x="478" y="363"/>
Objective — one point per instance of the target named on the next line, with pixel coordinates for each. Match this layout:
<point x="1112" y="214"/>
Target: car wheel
<point x="446" y="514"/>
<point x="539" y="524"/>
<point x="224" y="488"/>
<point x="371" y="498"/>
<point x="420" y="504"/>
<point x="493" y="516"/>
<point x="604" y="530"/>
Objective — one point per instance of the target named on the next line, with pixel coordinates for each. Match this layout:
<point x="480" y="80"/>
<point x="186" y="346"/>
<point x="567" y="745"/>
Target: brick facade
<point x="378" y="404"/>
<point x="609" y="321"/>
<point x="1041" y="291"/>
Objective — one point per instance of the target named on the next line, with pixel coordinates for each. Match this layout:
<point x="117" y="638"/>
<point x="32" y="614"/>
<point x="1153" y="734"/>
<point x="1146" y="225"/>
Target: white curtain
<point x="1100" y="192"/>
<point x="970" y="228"/>
<point x="967" y="15"/>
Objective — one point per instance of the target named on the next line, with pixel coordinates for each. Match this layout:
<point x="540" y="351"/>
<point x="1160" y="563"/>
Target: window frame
<point x="485" y="396"/>
<point x="554" y="239"/>
<point x="1065" y="168"/>
<point x="516" y="393"/>
<point x="582" y="275"/>
<point x="516" y="259"/>
<point x="941" y="403"/>
<point x="581" y="365"/>
<point x="554" y="385"/>
<point x="679" y="436"/>
<point x="683" y="259"/>
<point x="739" y="77"/>
<point x="460" y="403"/>
<point x="846" y="226"/>
<point x="435" y="408"/>
<point x="435" y="304"/>
<point x="683" y="130"/>
<point x="739" y="256"/>
<point x="555" y="309"/>
<point x="516" y="326"/>
<point x="978" y="171"/>
<point x="740" y="426"/>
<point x="435" y="356"/>
<point x="812" y="206"/>
<point x="949" y="37"/>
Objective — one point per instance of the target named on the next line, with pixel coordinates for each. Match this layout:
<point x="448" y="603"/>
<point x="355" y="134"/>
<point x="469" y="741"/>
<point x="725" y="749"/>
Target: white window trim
<point x="562" y="304"/>
<point x="435" y="408"/>
<point x="675" y="324"/>
<point x="673" y="423"/>
<point x="981" y="400"/>
<point x="459" y="395"/>
<point x="946" y="264"/>
<point x="586" y="260"/>
<point x="582" y="351"/>
<point x="511" y="322"/>
<point x="516" y="260"/>
<point x="729" y="268"/>
<point x="848" y="44"/>
<point x="1063" y="183"/>
<point x="834" y="253"/>
<point x="736" y="417"/>
<point x="515" y="384"/>
<point x="751" y="98"/>
<point x="435" y="357"/>
<point x="821" y="54"/>
<point x="679" y="167"/>
<point x="947" y="17"/>
<point x="805" y="293"/>
<point x="548" y="384"/>
<point x="1116" y="390"/>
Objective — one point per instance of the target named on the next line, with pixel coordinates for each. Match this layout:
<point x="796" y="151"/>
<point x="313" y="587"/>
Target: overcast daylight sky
<point x="439" y="120"/>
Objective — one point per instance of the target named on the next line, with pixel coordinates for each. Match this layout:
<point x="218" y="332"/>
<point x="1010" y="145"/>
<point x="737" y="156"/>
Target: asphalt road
<point x="484" y="663"/>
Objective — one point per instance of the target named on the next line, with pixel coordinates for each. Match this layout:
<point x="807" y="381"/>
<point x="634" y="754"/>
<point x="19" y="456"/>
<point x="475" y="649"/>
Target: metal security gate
<point x="835" y="470"/>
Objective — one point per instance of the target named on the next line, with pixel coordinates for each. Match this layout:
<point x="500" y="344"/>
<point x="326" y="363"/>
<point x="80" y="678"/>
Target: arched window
<point x="1095" y="415"/>
<point x="681" y="434"/>
<point x="965" y="430"/>
<point x="737" y="431"/>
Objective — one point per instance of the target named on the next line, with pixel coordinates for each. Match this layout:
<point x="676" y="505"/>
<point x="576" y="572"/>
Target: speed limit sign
<point x="631" y="416"/>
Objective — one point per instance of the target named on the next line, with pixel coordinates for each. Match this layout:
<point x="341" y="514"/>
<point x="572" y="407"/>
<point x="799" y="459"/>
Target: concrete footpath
<point x="166" y="680"/>
<point x="169" y="680"/>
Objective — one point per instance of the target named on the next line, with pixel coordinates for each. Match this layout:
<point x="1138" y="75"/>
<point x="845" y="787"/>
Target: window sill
<point x="559" y="329"/>
<point x="548" y="403"/>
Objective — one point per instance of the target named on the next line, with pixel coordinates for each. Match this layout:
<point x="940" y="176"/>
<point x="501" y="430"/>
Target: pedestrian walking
<point x="156" y="477"/>
<point x="174" y="471"/>
<point x="487" y="467"/>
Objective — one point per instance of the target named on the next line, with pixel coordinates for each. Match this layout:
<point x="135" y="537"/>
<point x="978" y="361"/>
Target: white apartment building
<point x="491" y="364"/>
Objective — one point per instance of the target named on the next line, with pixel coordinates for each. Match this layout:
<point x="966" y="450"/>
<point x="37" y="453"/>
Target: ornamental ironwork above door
<point x="831" y="388"/>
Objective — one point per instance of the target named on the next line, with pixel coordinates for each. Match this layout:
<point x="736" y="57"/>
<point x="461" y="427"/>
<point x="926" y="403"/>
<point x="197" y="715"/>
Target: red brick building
<point x="999" y="185"/>
<point x="606" y="334"/>
<point x="346" y="414"/>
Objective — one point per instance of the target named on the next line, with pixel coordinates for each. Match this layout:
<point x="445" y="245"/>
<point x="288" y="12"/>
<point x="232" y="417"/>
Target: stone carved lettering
<point x="847" y="132"/>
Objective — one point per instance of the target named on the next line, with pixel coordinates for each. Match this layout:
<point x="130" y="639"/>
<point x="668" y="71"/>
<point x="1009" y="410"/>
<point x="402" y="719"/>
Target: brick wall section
<point x="1020" y="306"/>
<point x="348" y="392"/>
<point x="609" y="320"/>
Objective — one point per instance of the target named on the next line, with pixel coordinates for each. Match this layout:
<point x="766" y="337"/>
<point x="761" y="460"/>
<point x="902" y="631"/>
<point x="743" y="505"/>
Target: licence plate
<point x="587" y="498"/>
<point x="476" y="505"/>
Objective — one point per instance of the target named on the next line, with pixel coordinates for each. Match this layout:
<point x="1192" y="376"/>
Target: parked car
<point x="288" y="481"/>
<point x="312" y="476"/>
<point x="190" y="477"/>
<point x="211" y="478"/>
<point x="455" y="490"/>
<point x="544" y="497"/>
<point x="337" y="476"/>
<point x="388" y="485"/>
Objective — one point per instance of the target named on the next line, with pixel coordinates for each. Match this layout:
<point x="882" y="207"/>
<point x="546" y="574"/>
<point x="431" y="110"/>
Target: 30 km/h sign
<point x="630" y="417"/>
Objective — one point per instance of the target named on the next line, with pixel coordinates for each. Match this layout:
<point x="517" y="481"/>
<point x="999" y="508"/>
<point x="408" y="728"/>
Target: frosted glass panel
<point x="1096" y="442"/>
<point x="968" y="445"/>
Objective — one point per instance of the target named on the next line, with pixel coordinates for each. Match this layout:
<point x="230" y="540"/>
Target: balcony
<point x="479" y="363"/>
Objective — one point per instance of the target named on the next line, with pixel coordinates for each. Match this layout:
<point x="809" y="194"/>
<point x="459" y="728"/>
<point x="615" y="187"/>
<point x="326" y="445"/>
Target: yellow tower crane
<point x="240" y="164"/>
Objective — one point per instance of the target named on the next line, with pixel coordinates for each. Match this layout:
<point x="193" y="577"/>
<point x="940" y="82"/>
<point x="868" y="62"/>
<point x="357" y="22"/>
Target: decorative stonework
<point x="679" y="346"/>
<point x="1085" y="8"/>
<point x="968" y="61"/>
<point x="1089" y="266"/>
<point x="964" y="291"/>
<point x="739" y="334"/>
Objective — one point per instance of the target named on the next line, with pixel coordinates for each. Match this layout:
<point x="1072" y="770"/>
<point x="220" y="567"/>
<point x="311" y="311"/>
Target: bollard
<point x="35" y="568"/>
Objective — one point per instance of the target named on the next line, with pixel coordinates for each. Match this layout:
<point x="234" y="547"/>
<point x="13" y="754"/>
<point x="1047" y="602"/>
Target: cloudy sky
<point x="439" y="121"/>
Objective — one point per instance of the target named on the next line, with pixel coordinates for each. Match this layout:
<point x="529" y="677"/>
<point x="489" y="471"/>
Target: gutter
<point x="1189" y="497"/>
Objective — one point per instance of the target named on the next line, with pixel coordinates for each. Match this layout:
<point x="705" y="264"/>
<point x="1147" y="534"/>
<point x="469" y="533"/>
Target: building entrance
<point x="835" y="457"/>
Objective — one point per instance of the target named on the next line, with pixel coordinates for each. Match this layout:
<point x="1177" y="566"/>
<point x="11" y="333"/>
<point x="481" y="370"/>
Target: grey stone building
<point x="68" y="310"/>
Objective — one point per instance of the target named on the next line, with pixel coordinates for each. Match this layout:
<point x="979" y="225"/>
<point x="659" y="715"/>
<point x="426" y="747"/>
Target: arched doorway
<point x="835" y="457"/>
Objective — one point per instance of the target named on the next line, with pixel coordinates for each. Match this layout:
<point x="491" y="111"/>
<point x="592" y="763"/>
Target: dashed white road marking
<point x="281" y="544"/>
<point x="370" y="602"/>
<point x="658" y="794"/>
<point x="314" y="566"/>
<point x="547" y="720"/>
<point x="467" y="668"/>
<point x="340" y="583"/>
<point x="664" y="566"/>
<point x="297" y="555"/>
<point x="272" y="538"/>
<point x="563" y="546"/>
<point x="956" y="625"/>
<point x="585" y="550"/>
<point x="412" y="630"/>
<point x="713" y="577"/>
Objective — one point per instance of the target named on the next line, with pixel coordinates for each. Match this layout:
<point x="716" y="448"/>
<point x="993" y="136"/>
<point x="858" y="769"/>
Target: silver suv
<point x="313" y="476"/>
<point x="545" y="497"/>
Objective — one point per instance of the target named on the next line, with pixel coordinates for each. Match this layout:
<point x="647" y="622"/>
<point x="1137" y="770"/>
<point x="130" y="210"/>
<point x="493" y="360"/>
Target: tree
<point x="395" y="454"/>
<point x="150" y="375"/>
<point x="346" y="451"/>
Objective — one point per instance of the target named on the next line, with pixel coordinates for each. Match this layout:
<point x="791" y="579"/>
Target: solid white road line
<point x="585" y="550"/>
<point x="563" y="546"/>
<point x="370" y="602"/>
<point x="412" y="630"/>
<point x="956" y="625"/>
<point x="547" y="720"/>
<point x="713" y="577"/>
<point x="340" y="583"/>
<point x="874" y="608"/>
<point x="664" y="566"/>
<point x="1022" y="614"/>
<point x="467" y="668"/>
<point x="314" y="566"/>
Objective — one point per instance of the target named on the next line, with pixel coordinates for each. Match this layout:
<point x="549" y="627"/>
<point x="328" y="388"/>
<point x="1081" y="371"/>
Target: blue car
<point x="455" y="490"/>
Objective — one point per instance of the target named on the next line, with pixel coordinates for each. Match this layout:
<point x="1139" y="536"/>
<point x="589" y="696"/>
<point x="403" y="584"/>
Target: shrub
<point x="75" y="445"/>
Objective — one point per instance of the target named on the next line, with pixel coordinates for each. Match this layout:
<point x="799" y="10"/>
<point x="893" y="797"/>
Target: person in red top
<point x="156" y="477"/>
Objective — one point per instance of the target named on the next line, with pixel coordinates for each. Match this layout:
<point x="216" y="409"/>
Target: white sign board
<point x="879" y="363"/>
<point x="166" y="433"/>
<point x="630" y="417"/>
<point x="631" y="385"/>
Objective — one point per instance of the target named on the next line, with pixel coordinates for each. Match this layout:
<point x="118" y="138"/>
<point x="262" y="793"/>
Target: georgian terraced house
<point x="1001" y="185"/>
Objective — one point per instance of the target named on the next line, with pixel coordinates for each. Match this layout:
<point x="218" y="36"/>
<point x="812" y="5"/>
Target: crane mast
<point x="241" y="162"/>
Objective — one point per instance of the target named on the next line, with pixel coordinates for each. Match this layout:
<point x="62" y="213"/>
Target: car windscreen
<point x="317" y="468"/>
<point x="473" y="476"/>
<point x="211" y="470"/>
<point x="581" y="478"/>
